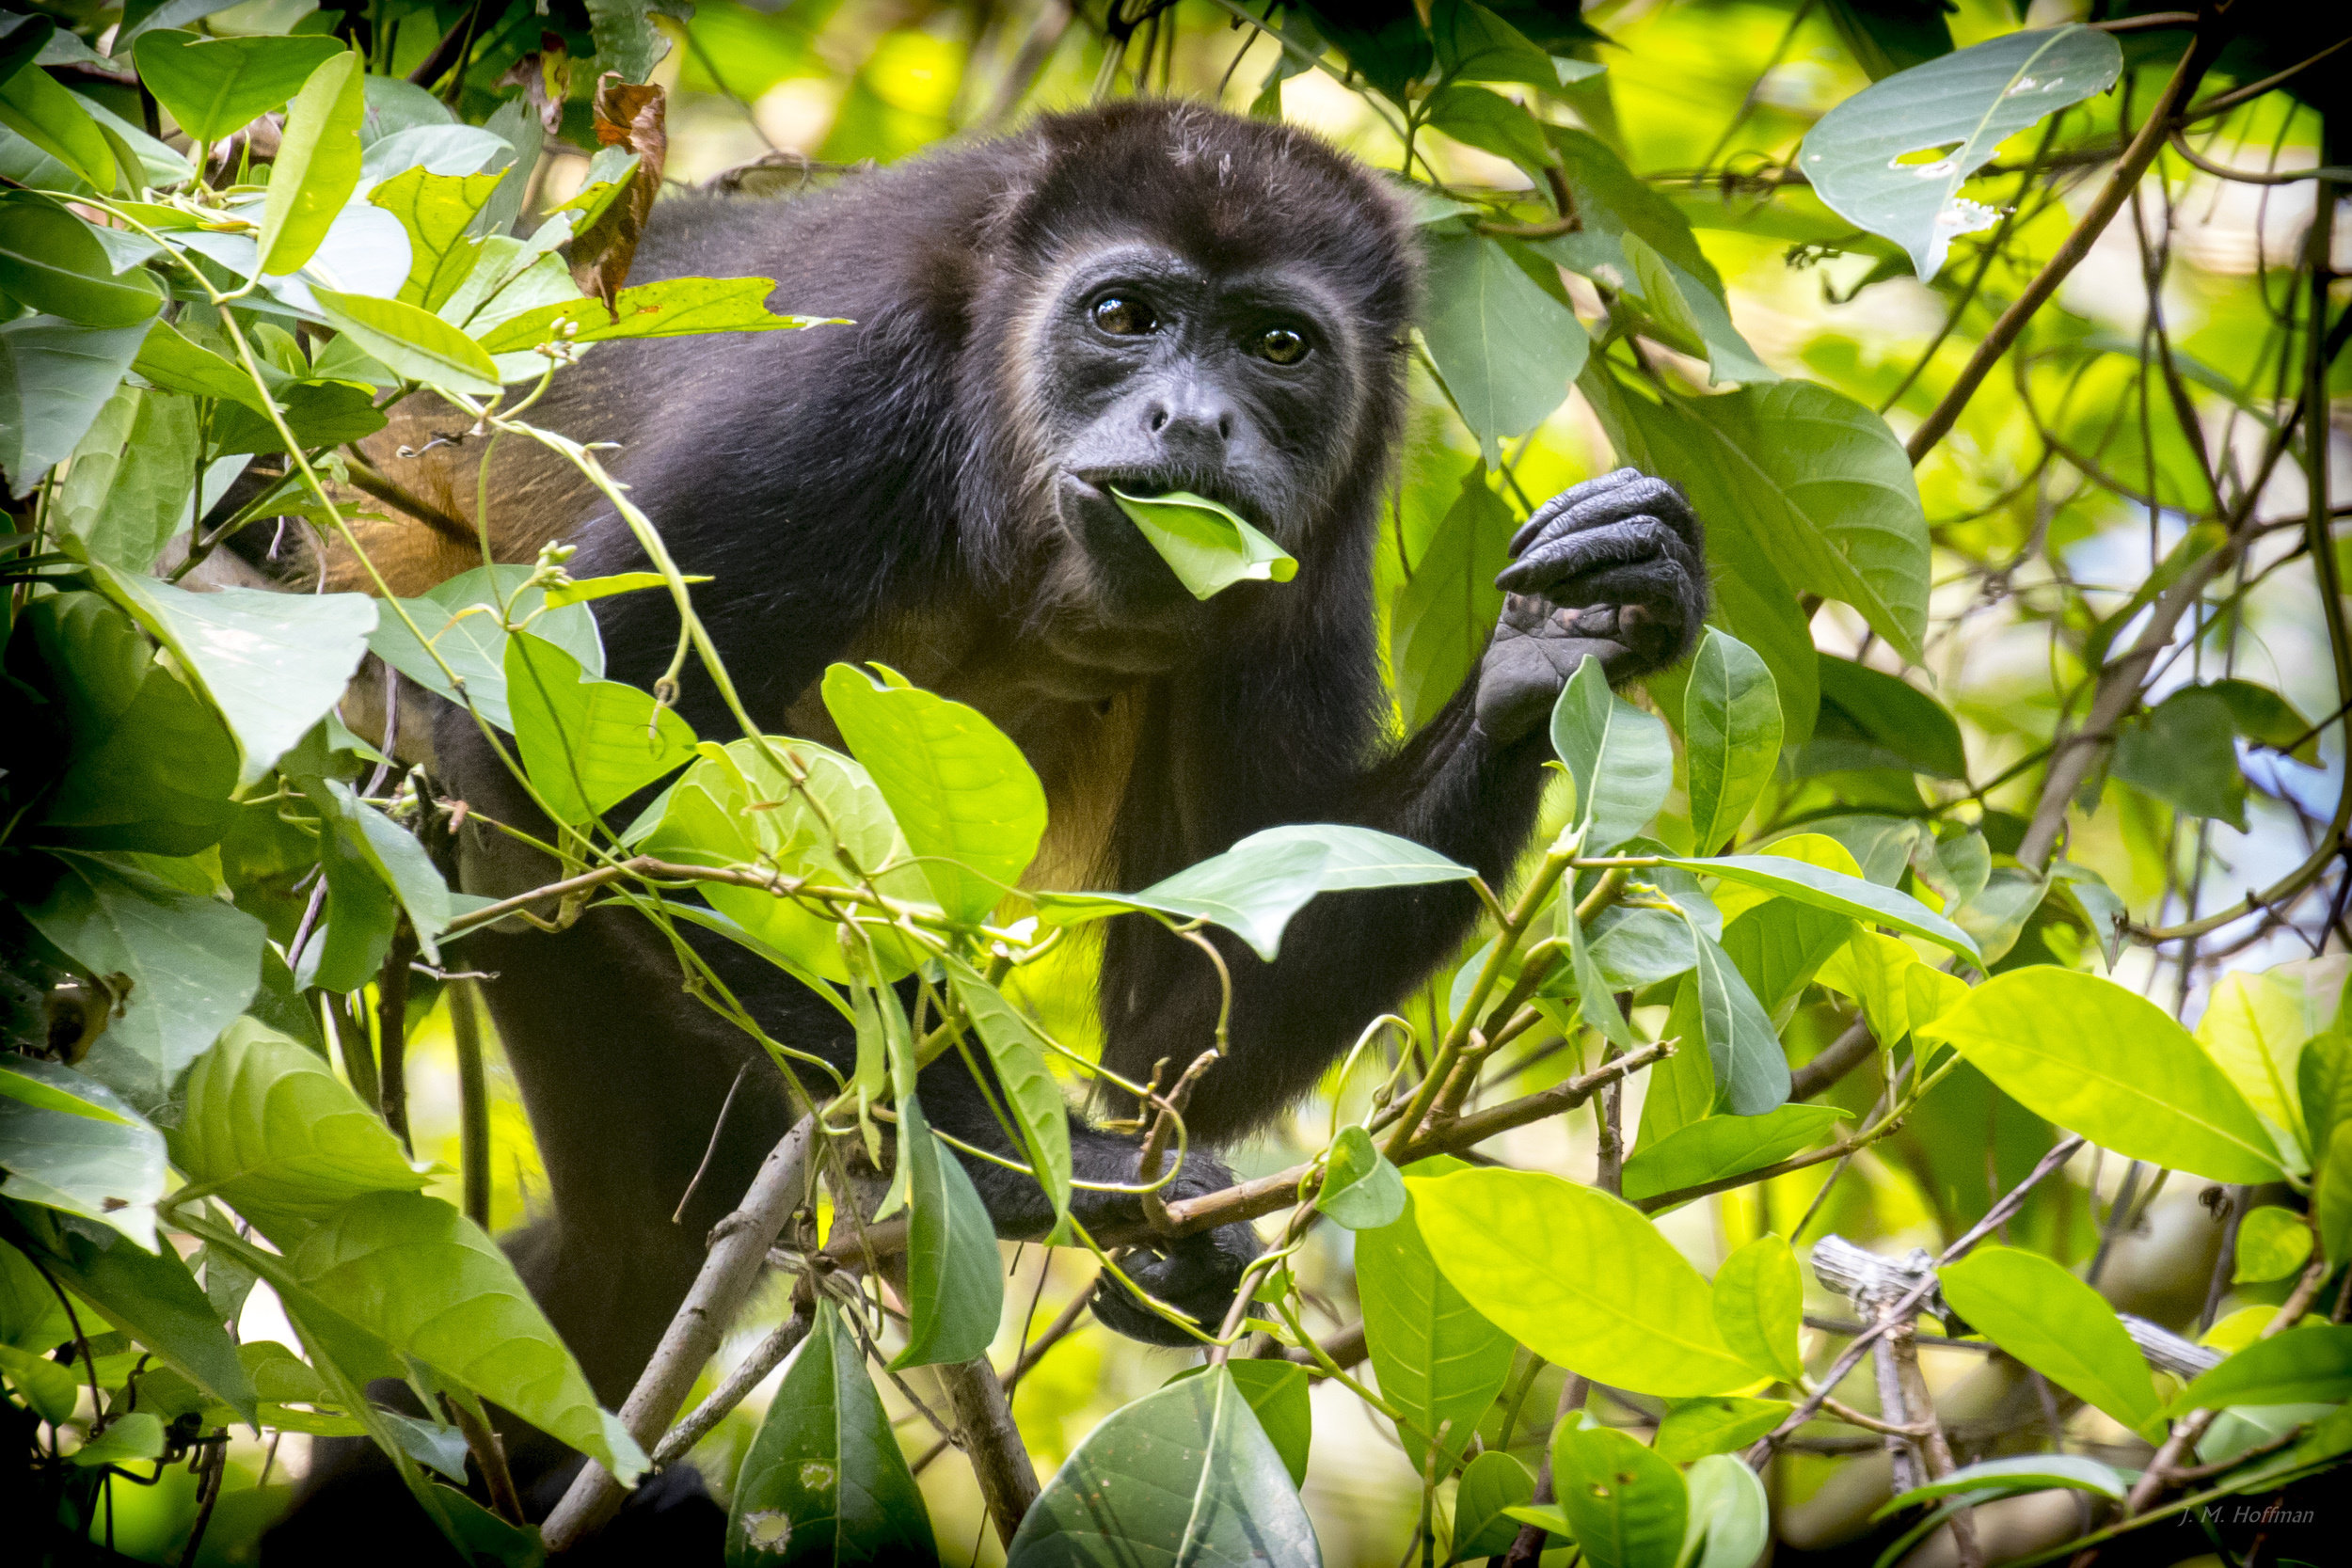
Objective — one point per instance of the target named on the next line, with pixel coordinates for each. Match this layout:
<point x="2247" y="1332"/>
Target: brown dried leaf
<point x="545" y="77"/>
<point x="628" y="115"/>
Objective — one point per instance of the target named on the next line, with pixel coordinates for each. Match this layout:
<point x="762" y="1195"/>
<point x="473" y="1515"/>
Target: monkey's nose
<point x="1191" y="427"/>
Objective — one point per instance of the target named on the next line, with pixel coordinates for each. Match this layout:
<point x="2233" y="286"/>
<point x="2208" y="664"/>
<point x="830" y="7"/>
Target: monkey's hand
<point x="1197" y="1274"/>
<point x="1615" y="568"/>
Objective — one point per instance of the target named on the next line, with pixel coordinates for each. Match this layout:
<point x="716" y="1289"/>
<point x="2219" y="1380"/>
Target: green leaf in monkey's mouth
<point x="1205" y="545"/>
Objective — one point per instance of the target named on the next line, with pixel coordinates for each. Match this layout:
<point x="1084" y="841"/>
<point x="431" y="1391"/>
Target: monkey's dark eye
<point x="1282" y="345"/>
<point x="1122" y="317"/>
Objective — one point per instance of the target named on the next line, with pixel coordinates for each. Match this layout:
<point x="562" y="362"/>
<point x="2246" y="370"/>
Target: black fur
<point x="835" y="480"/>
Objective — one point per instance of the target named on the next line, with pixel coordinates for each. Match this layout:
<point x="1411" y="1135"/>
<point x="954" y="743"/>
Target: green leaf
<point x="1254" y="888"/>
<point x="1473" y="44"/>
<point x="54" y="261"/>
<point x="460" y="619"/>
<point x="673" y="307"/>
<point x="587" y="744"/>
<point x="1506" y="349"/>
<point x="2324" y="1079"/>
<point x="2254" y="1028"/>
<point x="1492" y="1484"/>
<point x="626" y="37"/>
<point x="1720" y="1146"/>
<point x="1619" y="755"/>
<point x="2043" y="1315"/>
<point x="276" y="1133"/>
<point x="1692" y="1428"/>
<point x="133" y="479"/>
<point x="582" y="591"/>
<point x="136" y="1437"/>
<point x="423" y="1278"/>
<point x="191" y="964"/>
<point x="411" y="341"/>
<point x="962" y="792"/>
<point x="317" y="165"/>
<point x="1490" y="122"/>
<point x="214" y="86"/>
<point x="824" y="1481"/>
<point x="2272" y="1244"/>
<point x="1438" y="1360"/>
<point x="2183" y="752"/>
<point x="1578" y="1278"/>
<point x="1742" y="1046"/>
<point x="55" y="378"/>
<point x="2308" y="1365"/>
<point x="1206" y="544"/>
<point x="1759" y="1307"/>
<point x="154" y="1298"/>
<point x="1884" y="39"/>
<point x="2105" y="1062"/>
<point x="2266" y="718"/>
<point x="1185" y="1474"/>
<point x="1731" y="729"/>
<point x="1801" y="485"/>
<point x="437" y="211"/>
<point x="273" y="664"/>
<point x="1596" y="1004"/>
<point x="1361" y="1188"/>
<point x="43" y="1384"/>
<point x="1625" y="1506"/>
<point x="955" y="1278"/>
<point x="148" y="764"/>
<point x="1729" y="1511"/>
<point x="2024" y="1472"/>
<point x="70" y="1143"/>
<point x="1873" y="720"/>
<point x="1442" y="620"/>
<point x="1017" y="1054"/>
<point x="172" y="362"/>
<point x="1277" y="1392"/>
<point x="1893" y="157"/>
<point x="1834" y="890"/>
<point x="60" y="124"/>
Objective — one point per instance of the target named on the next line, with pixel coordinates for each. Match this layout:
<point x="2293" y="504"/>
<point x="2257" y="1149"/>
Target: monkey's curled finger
<point x="1559" y="559"/>
<point x="1571" y="499"/>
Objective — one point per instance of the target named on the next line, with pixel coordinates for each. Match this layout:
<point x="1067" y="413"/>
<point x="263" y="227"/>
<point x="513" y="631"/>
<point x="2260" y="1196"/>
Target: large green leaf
<point x="1721" y="1146"/>
<point x="1492" y="1484"/>
<point x="1506" y="350"/>
<point x="1208" y="545"/>
<point x="2254" y="1028"/>
<point x="1625" y="1506"/>
<point x="1277" y="1392"/>
<point x="411" y="341"/>
<point x="956" y="1281"/>
<point x="273" y="664"/>
<point x="1759" y="1307"/>
<point x="1442" y="620"/>
<point x="1185" y="1474"/>
<point x="962" y="792"/>
<point x="1873" y="720"/>
<point x="1742" y="1046"/>
<point x="1731" y="728"/>
<point x="54" y="261"/>
<point x="1620" y="757"/>
<point x="132" y="480"/>
<point x="2106" y="1063"/>
<point x="1438" y="1358"/>
<point x="1894" y="156"/>
<point x="1825" y="889"/>
<point x="2183" y="752"/>
<point x="416" y="1274"/>
<point x="2046" y="1317"/>
<point x="148" y="765"/>
<point x="55" y="376"/>
<point x="1032" y="1096"/>
<point x="436" y="209"/>
<point x="317" y="165"/>
<point x="1254" y="888"/>
<point x="587" y="744"/>
<point x="2306" y="1365"/>
<point x="191" y="963"/>
<point x="1490" y="122"/>
<point x="673" y="307"/>
<point x="152" y="1297"/>
<point x="824" y="1481"/>
<point x="270" y="1127"/>
<point x="213" y="87"/>
<point x="1694" y="1428"/>
<point x="1578" y="1278"/>
<point x="460" y="618"/>
<point x="60" y="124"/>
<point x="71" y="1143"/>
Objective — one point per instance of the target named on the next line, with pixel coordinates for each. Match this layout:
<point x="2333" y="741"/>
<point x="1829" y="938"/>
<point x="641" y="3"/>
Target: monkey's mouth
<point x="1126" y="573"/>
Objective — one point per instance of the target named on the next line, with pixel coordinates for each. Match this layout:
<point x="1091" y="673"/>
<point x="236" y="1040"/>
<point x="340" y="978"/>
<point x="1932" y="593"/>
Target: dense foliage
<point x="1837" y="1017"/>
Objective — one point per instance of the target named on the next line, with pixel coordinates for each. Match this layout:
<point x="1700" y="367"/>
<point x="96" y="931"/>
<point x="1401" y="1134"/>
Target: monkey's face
<point x="1154" y="373"/>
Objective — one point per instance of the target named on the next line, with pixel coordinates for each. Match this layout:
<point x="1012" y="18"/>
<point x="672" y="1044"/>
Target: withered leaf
<point x="628" y="115"/>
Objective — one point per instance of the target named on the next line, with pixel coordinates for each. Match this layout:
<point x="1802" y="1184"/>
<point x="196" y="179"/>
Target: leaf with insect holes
<point x="1205" y="545"/>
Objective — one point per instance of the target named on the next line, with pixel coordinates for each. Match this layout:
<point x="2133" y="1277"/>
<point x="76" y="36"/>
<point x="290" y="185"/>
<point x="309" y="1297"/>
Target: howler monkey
<point x="1150" y="295"/>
